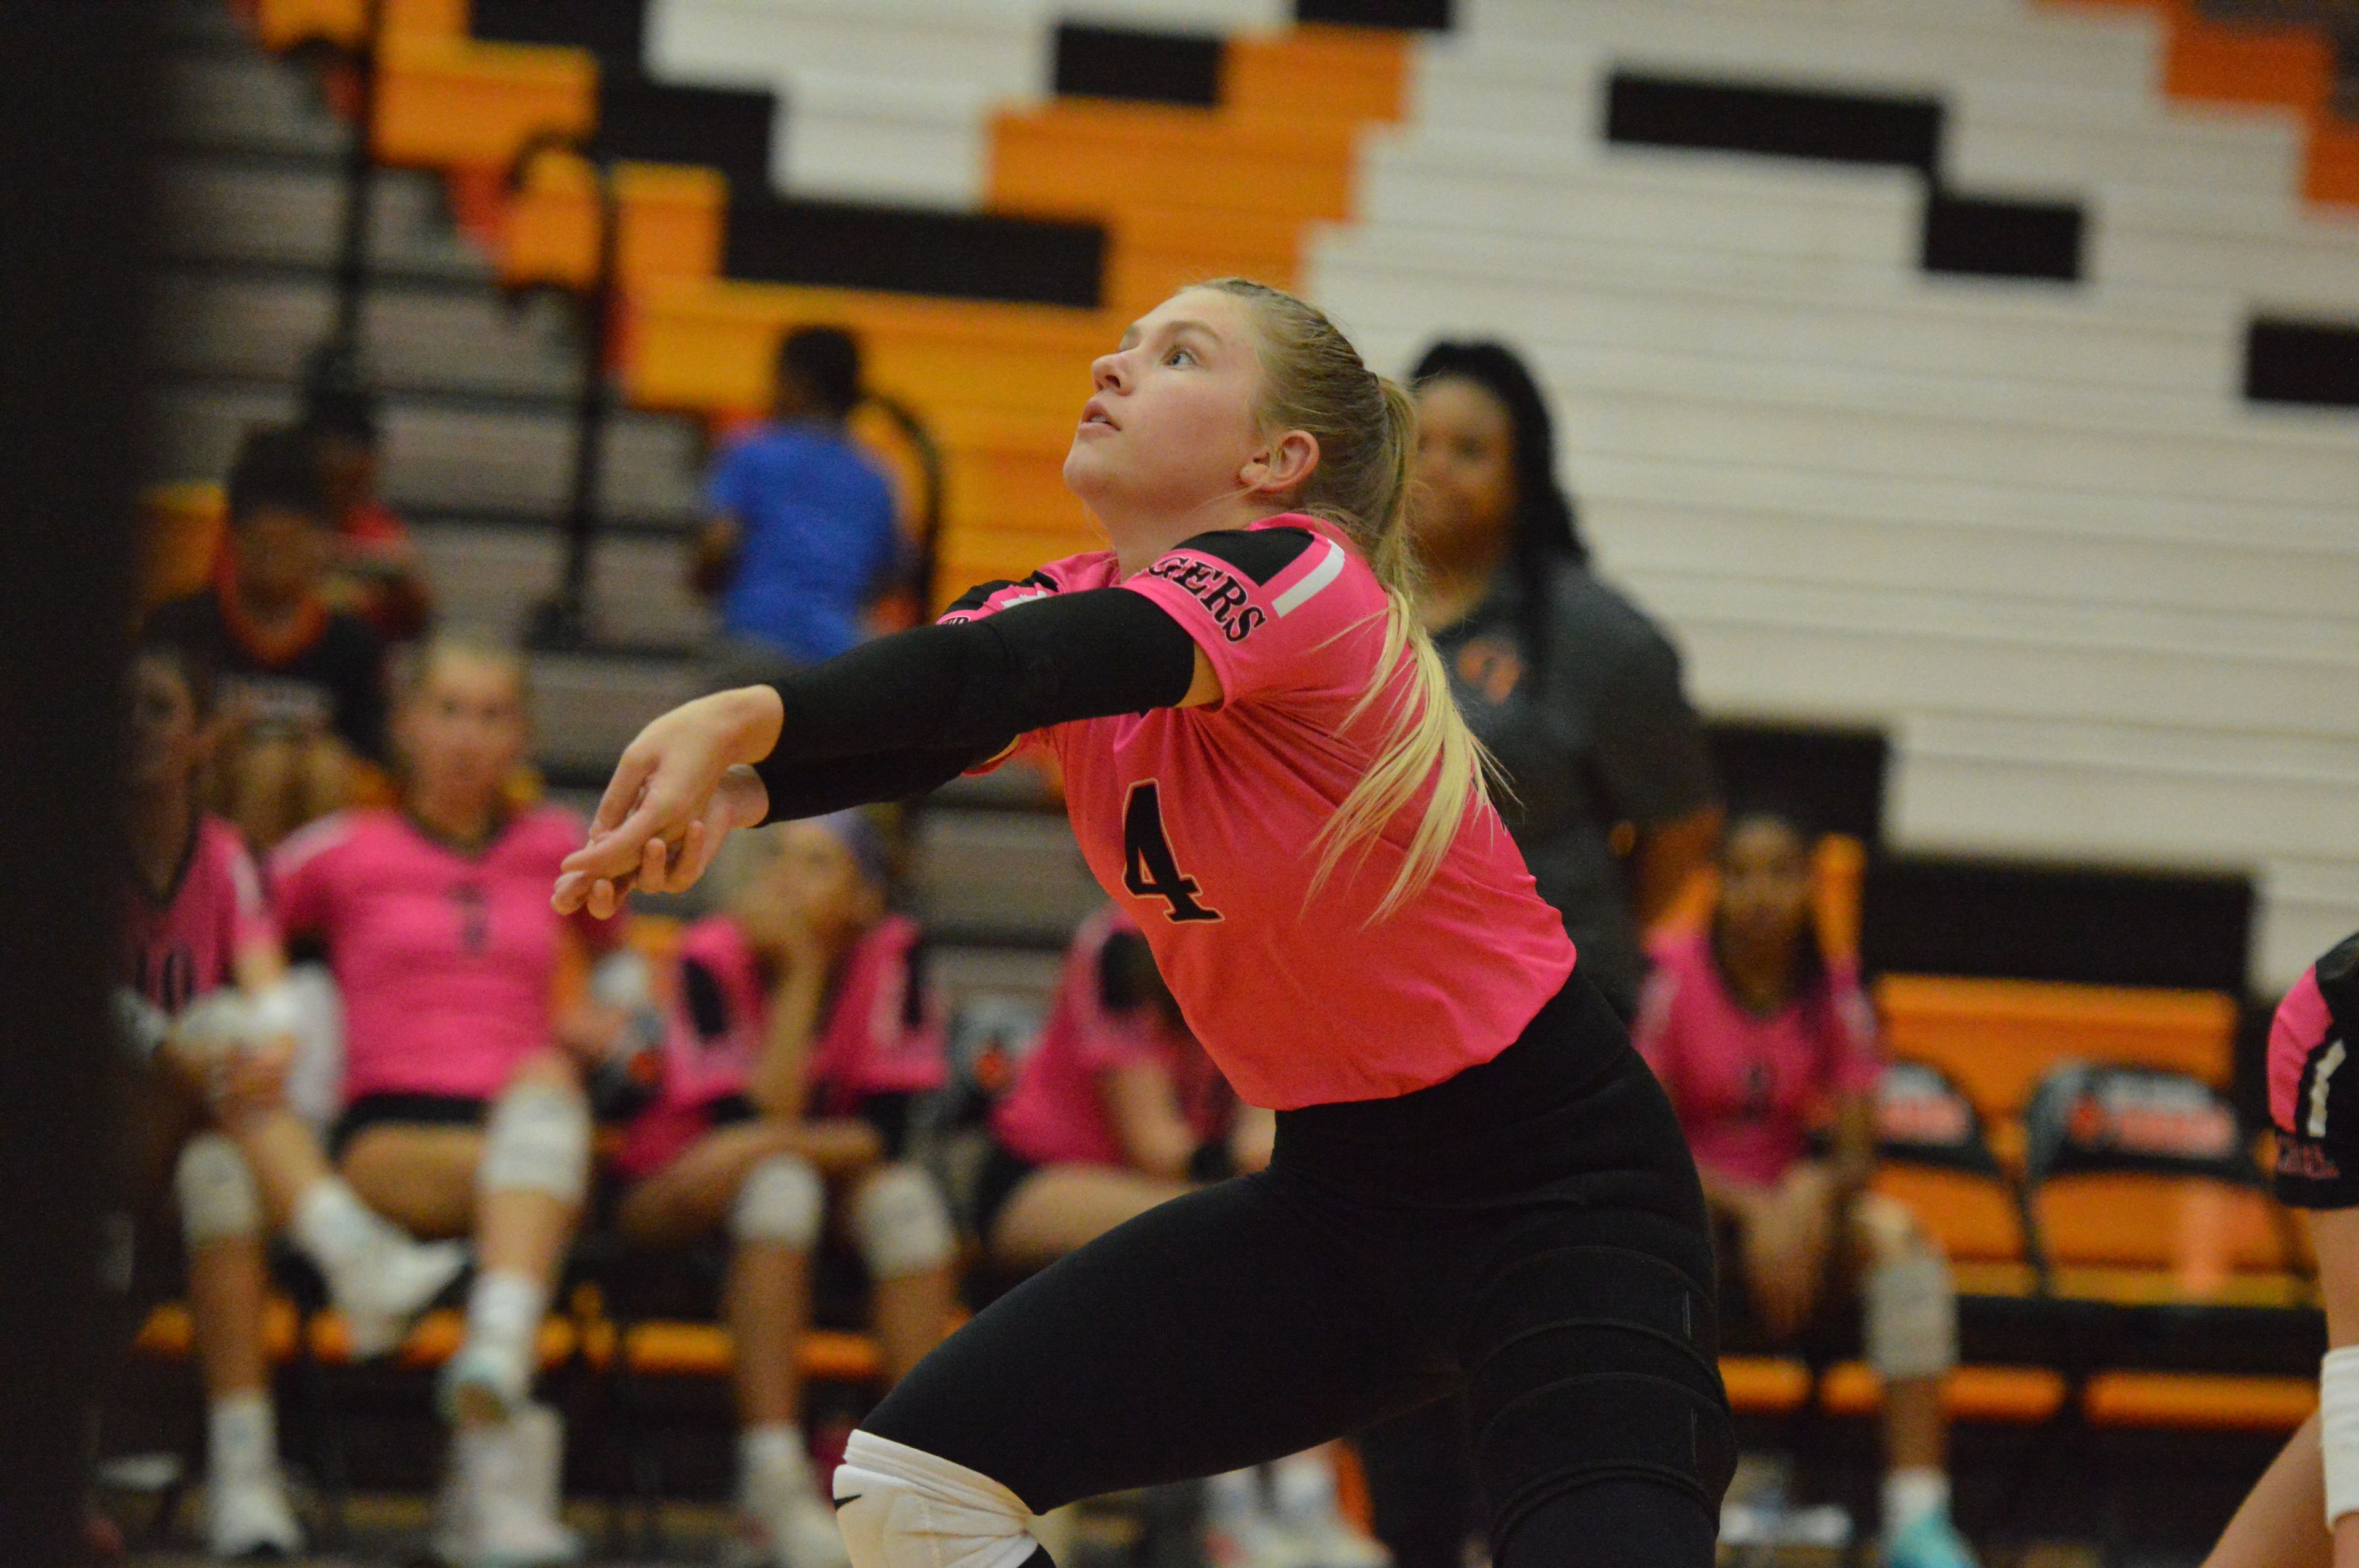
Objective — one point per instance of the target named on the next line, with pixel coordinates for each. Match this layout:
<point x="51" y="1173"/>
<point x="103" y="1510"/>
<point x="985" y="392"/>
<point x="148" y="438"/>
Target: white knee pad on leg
<point x="902" y="1507"/>
<point x="1912" y="1316"/>
<point x="218" y="1198"/>
<point x="780" y="1202"/>
<point x="539" y="1141"/>
<point x="903" y="1224"/>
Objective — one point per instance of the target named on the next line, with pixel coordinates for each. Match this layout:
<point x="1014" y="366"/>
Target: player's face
<point x="817" y="879"/>
<point x="463" y="731"/>
<point x="1172" y="425"/>
<point x="282" y="555"/>
<point x="166" y="733"/>
<point x="1464" y="477"/>
<point x="1764" y="884"/>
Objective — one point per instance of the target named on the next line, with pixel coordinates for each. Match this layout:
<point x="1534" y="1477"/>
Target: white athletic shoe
<point x="482" y="1388"/>
<point x="1333" y="1541"/>
<point x="784" y="1521"/>
<point x="391" y="1285"/>
<point x="498" y="1508"/>
<point x="249" y="1517"/>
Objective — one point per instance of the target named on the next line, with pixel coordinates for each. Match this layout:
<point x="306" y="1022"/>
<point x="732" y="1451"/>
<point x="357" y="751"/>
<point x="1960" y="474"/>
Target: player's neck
<point x="451" y="817"/>
<point x="162" y="822"/>
<point x="1138" y="538"/>
<point x="1761" y="974"/>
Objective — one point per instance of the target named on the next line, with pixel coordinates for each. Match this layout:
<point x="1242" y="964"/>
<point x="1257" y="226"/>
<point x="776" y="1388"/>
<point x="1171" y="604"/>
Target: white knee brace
<point x="218" y="1198"/>
<point x="901" y="1508"/>
<point x="539" y="1141"/>
<point x="1912" y="1316"/>
<point x="780" y="1202"/>
<point x="902" y="1223"/>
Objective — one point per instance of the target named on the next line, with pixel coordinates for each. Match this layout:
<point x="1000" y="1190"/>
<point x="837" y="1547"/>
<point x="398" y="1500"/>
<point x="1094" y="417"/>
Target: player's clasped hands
<point x="681" y="788"/>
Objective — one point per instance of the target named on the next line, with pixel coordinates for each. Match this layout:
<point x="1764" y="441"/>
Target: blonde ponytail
<point x="1366" y="428"/>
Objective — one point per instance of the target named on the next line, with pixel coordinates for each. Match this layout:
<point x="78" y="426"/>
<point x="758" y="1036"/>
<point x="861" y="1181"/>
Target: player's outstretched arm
<point x="681" y="788"/>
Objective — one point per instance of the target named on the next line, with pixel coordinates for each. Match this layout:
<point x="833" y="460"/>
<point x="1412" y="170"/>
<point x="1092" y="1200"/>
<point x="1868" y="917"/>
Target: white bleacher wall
<point x="2107" y="611"/>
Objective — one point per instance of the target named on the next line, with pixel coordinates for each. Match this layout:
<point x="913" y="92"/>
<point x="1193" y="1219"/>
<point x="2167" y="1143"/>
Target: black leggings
<point x="1529" y="1233"/>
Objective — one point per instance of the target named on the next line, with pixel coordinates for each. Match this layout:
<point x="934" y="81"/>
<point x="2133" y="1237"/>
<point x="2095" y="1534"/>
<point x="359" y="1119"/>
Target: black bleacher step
<point x="1430" y="15"/>
<point x="723" y="128"/>
<point x="1827" y="779"/>
<point x="1982" y="236"/>
<point x="912" y="250"/>
<point x="2291" y="361"/>
<point x="1137" y="65"/>
<point x="2090" y="924"/>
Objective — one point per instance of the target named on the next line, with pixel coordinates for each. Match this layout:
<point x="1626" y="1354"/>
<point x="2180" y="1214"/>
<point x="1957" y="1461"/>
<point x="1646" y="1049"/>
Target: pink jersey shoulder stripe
<point x="306" y="844"/>
<point x="1307" y="577"/>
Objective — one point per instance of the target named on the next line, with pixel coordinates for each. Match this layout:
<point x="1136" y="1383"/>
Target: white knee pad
<point x="539" y="1141"/>
<point x="902" y="1223"/>
<point x="780" y="1202"/>
<point x="218" y="1198"/>
<point x="902" y="1507"/>
<point x="1912" y="1316"/>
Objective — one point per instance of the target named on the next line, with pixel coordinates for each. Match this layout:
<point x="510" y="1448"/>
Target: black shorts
<point x="1529" y="1233"/>
<point x="1002" y="1171"/>
<point x="415" y="1110"/>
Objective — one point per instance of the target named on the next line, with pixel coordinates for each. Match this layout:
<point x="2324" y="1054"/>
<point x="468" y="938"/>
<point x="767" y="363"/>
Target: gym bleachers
<point x="2101" y="603"/>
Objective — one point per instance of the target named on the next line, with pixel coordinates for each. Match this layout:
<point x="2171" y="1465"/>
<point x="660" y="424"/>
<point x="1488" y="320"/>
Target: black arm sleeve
<point x="814" y="789"/>
<point x="971" y="687"/>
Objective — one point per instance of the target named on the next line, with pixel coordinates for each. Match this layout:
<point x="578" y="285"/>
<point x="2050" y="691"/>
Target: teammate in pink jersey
<point x="1477" y="1184"/>
<point x="799" y="1000"/>
<point x="203" y="1006"/>
<point x="2304" y="1511"/>
<point x="465" y="1112"/>
<point x="1756" y="1034"/>
<point x="1116" y="1109"/>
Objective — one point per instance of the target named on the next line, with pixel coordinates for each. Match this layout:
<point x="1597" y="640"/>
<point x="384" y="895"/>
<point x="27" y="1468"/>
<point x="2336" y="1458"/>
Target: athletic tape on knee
<point x="218" y="1198"/>
<point x="1912" y="1316"/>
<point x="903" y="1226"/>
<point x="539" y="1141"/>
<point x="2338" y="1430"/>
<point x="780" y="1202"/>
<point x="902" y="1507"/>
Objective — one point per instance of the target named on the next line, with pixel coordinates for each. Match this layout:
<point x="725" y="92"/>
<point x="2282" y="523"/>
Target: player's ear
<point x="1282" y="465"/>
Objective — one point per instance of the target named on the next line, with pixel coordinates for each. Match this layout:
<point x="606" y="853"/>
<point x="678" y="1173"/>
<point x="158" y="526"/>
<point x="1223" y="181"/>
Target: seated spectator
<point x="377" y="575"/>
<point x="799" y="1035"/>
<point x="801" y="538"/>
<point x="302" y="684"/>
<point x="207" y="1022"/>
<point x="465" y="1112"/>
<point x="1116" y="1109"/>
<point x="1754" y="1032"/>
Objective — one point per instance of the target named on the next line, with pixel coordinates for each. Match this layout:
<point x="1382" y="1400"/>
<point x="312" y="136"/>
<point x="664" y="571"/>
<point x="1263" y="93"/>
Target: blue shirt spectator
<point x="802" y="536"/>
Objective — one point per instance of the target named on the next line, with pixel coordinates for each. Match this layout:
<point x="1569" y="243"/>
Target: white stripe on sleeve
<point x="1317" y="578"/>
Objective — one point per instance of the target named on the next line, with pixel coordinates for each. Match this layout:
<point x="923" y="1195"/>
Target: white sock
<point x="503" y="1314"/>
<point x="1232" y="1495"/>
<point x="334" y="1228"/>
<point x="1302" y="1486"/>
<point x="1909" y="1494"/>
<point x="241" y="1437"/>
<point x="770" y="1458"/>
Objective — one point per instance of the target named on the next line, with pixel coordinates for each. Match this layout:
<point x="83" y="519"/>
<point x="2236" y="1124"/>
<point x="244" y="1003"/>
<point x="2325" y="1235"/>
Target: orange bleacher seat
<point x="2199" y="1401"/>
<point x="2021" y="1396"/>
<point x="671" y="219"/>
<point x="1082" y="158"/>
<point x="180" y="536"/>
<point x="1974" y="1218"/>
<point x="1765" y="1385"/>
<point x="1998" y="1038"/>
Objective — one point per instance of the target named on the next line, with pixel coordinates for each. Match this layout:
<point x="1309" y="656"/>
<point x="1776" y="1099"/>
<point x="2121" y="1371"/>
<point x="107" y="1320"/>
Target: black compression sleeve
<point x="977" y="686"/>
<point x="814" y="789"/>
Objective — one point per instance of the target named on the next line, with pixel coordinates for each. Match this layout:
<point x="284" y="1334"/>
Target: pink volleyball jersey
<point x="2314" y="1088"/>
<point x="719" y="1016"/>
<point x="1056" y="1113"/>
<point x="1746" y="1088"/>
<point x="446" y="960"/>
<point x="1199" y="823"/>
<point x="185" y="943"/>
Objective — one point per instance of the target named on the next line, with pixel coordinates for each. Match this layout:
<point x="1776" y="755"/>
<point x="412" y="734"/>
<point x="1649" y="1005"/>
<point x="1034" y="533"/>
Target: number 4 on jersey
<point x="1148" y="870"/>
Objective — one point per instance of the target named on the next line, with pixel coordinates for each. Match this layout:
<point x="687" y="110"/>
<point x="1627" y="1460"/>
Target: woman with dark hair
<point x="1573" y="688"/>
<point x="1577" y="694"/>
<point x="1760" y="1037"/>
